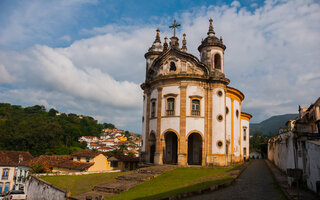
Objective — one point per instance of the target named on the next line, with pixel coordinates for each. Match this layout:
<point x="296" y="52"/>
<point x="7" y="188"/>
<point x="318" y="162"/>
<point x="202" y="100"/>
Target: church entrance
<point x="194" y="149"/>
<point x="152" y="143"/>
<point x="171" y="150"/>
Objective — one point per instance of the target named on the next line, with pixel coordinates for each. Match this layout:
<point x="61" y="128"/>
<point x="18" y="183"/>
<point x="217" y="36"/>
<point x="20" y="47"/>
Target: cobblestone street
<point x="255" y="183"/>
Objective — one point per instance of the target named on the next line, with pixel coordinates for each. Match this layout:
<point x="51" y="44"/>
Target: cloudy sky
<point x="87" y="57"/>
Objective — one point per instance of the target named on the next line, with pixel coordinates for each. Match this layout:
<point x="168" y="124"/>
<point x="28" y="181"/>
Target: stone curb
<point x="208" y="189"/>
<point x="284" y="191"/>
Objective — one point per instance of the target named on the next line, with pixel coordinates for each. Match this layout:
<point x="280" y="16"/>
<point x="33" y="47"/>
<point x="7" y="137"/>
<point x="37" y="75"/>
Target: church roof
<point x="157" y="62"/>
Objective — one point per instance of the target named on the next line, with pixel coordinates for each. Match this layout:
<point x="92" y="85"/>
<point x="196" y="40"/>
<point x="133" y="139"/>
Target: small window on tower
<point x="153" y="109"/>
<point x="217" y="61"/>
<point x="173" y="66"/>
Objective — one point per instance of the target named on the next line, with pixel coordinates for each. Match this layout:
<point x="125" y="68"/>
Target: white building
<point x="298" y="149"/>
<point x="13" y="173"/>
<point x="190" y="114"/>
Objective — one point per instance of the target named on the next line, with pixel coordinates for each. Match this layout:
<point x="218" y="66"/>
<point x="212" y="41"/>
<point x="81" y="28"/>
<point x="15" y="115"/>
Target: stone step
<point x="92" y="195"/>
<point x="155" y="169"/>
<point x="136" y="177"/>
<point x="116" y="186"/>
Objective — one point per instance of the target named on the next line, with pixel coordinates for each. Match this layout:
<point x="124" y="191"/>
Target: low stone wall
<point x="38" y="189"/>
<point x="76" y="173"/>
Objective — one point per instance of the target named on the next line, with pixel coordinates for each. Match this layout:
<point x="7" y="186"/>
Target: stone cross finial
<point x="174" y="26"/>
<point x="211" y="31"/>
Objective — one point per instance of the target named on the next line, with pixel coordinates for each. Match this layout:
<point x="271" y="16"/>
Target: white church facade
<point x="190" y="114"/>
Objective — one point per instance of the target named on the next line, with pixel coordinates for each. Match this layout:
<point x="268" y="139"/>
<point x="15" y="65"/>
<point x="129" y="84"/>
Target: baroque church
<point x="190" y="114"/>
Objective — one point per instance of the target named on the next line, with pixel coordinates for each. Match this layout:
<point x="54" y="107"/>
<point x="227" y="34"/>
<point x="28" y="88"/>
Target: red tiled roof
<point x="70" y="164"/>
<point x="91" y="137"/>
<point x="87" y="153"/>
<point x="48" y="161"/>
<point x="127" y="158"/>
<point x="14" y="157"/>
<point x="93" y="144"/>
<point x="104" y="148"/>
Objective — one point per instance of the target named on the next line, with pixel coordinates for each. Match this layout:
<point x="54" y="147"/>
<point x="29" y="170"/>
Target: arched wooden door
<point x="194" y="149"/>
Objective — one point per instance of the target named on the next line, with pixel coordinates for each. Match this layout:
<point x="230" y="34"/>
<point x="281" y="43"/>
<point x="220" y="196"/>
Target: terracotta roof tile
<point x="70" y="164"/>
<point x="87" y="153"/>
<point x="48" y="161"/>
<point x="14" y="157"/>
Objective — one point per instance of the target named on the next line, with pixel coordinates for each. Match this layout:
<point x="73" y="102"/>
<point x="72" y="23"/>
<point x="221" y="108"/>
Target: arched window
<point x="170" y="106"/>
<point x="1" y="186"/>
<point x="217" y="61"/>
<point x="195" y="107"/>
<point x="173" y="66"/>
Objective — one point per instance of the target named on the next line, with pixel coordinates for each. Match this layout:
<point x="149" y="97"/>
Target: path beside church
<point x="254" y="183"/>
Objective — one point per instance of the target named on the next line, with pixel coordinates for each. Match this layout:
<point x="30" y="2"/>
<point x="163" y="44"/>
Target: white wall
<point x="236" y="125"/>
<point x="144" y="114"/>
<point x="10" y="177"/>
<point x="37" y="189"/>
<point x="173" y="90"/>
<point x="313" y="164"/>
<point x="191" y="91"/>
<point x="218" y="127"/>
<point x="228" y="123"/>
<point x="170" y="122"/>
<point x="245" y="143"/>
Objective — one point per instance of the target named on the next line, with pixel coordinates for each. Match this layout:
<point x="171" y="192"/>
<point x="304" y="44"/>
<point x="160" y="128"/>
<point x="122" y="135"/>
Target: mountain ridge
<point x="270" y="126"/>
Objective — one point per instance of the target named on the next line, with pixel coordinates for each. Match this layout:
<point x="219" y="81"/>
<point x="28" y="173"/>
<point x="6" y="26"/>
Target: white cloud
<point x="5" y="76"/>
<point x="271" y="56"/>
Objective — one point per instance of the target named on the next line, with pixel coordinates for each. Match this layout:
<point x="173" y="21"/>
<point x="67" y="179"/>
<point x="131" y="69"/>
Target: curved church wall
<point x="236" y="125"/>
<point x="218" y="125"/>
<point x="245" y="133"/>
<point x="228" y="124"/>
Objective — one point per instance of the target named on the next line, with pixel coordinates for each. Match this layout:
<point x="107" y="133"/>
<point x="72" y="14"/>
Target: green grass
<point x="81" y="183"/>
<point x="178" y="181"/>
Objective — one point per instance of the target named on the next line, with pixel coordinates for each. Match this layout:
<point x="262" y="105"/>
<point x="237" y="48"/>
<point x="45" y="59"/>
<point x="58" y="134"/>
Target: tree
<point x="108" y="125"/>
<point x="38" y="168"/>
<point x="52" y="112"/>
<point x="258" y="141"/>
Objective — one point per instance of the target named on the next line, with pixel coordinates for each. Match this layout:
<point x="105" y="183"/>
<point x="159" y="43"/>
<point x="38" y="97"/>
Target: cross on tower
<point x="174" y="26"/>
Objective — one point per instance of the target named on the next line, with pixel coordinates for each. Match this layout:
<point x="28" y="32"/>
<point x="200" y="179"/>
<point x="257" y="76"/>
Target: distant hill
<point x="41" y="132"/>
<point x="271" y="126"/>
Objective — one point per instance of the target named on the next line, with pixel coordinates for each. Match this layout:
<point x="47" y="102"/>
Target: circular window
<point x="219" y="93"/>
<point x="219" y="143"/>
<point x="227" y="110"/>
<point x="220" y="118"/>
<point x="237" y="113"/>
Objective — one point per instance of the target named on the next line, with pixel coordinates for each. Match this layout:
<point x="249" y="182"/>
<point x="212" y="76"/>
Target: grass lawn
<point x="178" y="181"/>
<point x="81" y="183"/>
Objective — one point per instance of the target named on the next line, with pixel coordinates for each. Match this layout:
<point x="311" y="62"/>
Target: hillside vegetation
<point x="40" y="132"/>
<point x="271" y="125"/>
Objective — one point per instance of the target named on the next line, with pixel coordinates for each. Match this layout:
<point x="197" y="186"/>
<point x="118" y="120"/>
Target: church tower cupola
<point x="154" y="51"/>
<point x="212" y="50"/>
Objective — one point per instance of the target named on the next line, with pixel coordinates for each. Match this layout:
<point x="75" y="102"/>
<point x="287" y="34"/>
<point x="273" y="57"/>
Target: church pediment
<point x="174" y="61"/>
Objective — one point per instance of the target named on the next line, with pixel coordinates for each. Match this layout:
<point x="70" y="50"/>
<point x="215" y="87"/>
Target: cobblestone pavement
<point x="255" y="183"/>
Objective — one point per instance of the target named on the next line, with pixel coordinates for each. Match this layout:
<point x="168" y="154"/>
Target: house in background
<point x="13" y="172"/>
<point x="82" y="161"/>
<point x="124" y="162"/>
<point x="255" y="154"/>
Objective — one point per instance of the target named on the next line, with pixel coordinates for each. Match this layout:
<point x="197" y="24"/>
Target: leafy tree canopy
<point x="40" y="132"/>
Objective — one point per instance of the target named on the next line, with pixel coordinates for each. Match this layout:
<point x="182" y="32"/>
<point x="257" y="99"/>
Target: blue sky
<point x="86" y="57"/>
<point x="68" y="19"/>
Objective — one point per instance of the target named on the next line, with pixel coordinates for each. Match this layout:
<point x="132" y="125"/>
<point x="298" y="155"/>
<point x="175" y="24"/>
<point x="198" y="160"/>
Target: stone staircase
<point x="123" y="183"/>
